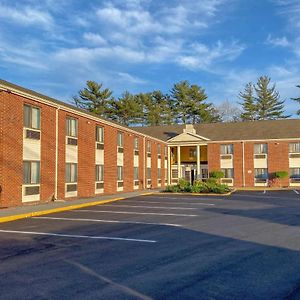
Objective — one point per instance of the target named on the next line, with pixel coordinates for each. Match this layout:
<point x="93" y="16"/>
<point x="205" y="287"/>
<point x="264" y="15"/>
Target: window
<point x="294" y="147"/>
<point x="148" y="173"/>
<point x="227" y="149"/>
<point x="99" y="134"/>
<point x="159" y="173"/>
<point x="295" y="173"/>
<point x="99" y="173"/>
<point x="159" y="149"/>
<point x="148" y="146"/>
<point x="192" y="153"/>
<point x="228" y="173"/>
<point x="31" y="172"/>
<point x="120" y="137"/>
<point x="166" y="152"/>
<point x="32" y="117"/>
<point x="261" y="173"/>
<point x="260" y="148"/>
<point x="136" y="173"/>
<point x="71" y="127"/>
<point x="136" y="143"/>
<point x="120" y="173"/>
<point x="71" y="172"/>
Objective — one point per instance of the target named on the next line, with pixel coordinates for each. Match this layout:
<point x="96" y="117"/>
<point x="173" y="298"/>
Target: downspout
<point x="56" y="155"/>
<point x="243" y="168"/>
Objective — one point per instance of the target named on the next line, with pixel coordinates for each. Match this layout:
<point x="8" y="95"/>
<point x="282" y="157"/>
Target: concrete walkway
<point x="24" y="211"/>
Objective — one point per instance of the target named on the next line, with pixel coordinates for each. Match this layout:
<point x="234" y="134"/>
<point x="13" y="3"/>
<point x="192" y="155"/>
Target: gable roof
<point x="251" y="130"/>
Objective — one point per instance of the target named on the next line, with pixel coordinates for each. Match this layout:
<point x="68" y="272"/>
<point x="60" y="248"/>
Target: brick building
<point x="51" y="150"/>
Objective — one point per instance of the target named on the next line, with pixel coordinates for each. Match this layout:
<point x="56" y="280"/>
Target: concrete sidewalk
<point x="26" y="211"/>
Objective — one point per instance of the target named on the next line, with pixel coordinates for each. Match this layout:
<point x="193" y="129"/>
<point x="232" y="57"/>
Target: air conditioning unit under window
<point x="226" y="156"/>
<point x="33" y="134"/>
<point x="260" y="156"/>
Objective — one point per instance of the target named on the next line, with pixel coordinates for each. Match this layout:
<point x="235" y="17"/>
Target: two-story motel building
<point x="52" y="150"/>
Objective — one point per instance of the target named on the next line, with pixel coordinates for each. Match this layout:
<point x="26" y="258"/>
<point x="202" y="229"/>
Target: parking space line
<point x="77" y="236"/>
<point x="108" y="221"/>
<point x="296" y="192"/>
<point x="160" y="202"/>
<point x="133" y="213"/>
<point x="143" y="206"/>
<point x="264" y="192"/>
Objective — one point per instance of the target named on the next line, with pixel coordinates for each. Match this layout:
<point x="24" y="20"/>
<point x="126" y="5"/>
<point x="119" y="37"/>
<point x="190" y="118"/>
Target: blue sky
<point x="54" y="46"/>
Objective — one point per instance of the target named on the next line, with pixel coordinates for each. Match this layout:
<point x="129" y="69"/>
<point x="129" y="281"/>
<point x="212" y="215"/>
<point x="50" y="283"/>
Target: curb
<point x="54" y="210"/>
<point x="199" y="194"/>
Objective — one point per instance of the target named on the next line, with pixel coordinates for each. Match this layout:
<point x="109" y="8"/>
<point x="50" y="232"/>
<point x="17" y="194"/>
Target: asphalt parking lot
<point x="245" y="246"/>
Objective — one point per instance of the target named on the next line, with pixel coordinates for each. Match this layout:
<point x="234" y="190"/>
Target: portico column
<point x="169" y="166"/>
<point x="178" y="162"/>
<point x="198" y="163"/>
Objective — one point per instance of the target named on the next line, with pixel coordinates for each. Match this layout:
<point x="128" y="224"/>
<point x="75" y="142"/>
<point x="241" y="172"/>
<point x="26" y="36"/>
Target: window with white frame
<point x="166" y="151"/>
<point x="260" y="148"/>
<point x="136" y="173"/>
<point x="99" y="173"/>
<point x="136" y="143"/>
<point x="159" y="173"/>
<point x="226" y="149"/>
<point x="159" y="149"/>
<point x="99" y="134"/>
<point x="120" y="139"/>
<point x="71" y="127"/>
<point x="228" y="172"/>
<point x="32" y="117"/>
<point x="294" y="147"/>
<point x="148" y="173"/>
<point x="148" y="146"/>
<point x="31" y="172"/>
<point x="120" y="173"/>
<point x="71" y="172"/>
<point x="261" y="173"/>
<point x="295" y="173"/>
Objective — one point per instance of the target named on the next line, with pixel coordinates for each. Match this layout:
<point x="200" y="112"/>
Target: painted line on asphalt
<point x="264" y="191"/>
<point x="108" y="221"/>
<point x="296" y="192"/>
<point x="163" y="202"/>
<point x="133" y="213"/>
<point x="78" y="236"/>
<point x="143" y="206"/>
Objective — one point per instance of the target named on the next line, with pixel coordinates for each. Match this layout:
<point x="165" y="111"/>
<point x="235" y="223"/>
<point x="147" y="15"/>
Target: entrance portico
<point x="188" y="156"/>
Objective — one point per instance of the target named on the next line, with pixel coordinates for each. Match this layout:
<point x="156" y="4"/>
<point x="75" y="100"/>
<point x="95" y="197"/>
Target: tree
<point x="229" y="112"/>
<point x="268" y="103"/>
<point x="298" y="100"/>
<point x="249" y="109"/>
<point x="157" y="108"/>
<point x="126" y="110"/>
<point x="189" y="101"/>
<point x="94" y="98"/>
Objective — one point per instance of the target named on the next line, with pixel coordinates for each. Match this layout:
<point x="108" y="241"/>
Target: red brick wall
<point x="213" y="157"/>
<point x="249" y="164"/>
<point x="141" y="162"/>
<point x="128" y="161"/>
<point x="238" y="163"/>
<point x="278" y="159"/>
<point x="154" y="164"/>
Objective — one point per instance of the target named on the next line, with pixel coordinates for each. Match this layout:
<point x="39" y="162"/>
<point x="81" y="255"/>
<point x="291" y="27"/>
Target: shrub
<point x="172" y="189"/>
<point x="211" y="180"/>
<point x="216" y="174"/>
<point x="183" y="184"/>
<point x="281" y="174"/>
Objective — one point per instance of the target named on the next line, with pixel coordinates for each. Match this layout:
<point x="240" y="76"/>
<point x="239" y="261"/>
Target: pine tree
<point x="94" y="98"/>
<point x="249" y="109"/>
<point x="268" y="103"/>
<point x="189" y="101"/>
<point x="126" y="110"/>
<point x="298" y="100"/>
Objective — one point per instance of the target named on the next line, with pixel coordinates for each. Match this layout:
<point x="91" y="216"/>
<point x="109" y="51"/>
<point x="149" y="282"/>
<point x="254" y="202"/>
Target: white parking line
<point x="132" y="213"/>
<point x="163" y="202"/>
<point x="143" y="206"/>
<point x="264" y="191"/>
<point x="296" y="192"/>
<point x="108" y="221"/>
<point x="78" y="236"/>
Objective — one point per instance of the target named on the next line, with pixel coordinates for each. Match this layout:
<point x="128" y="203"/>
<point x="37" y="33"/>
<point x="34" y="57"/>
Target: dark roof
<point x="254" y="130"/>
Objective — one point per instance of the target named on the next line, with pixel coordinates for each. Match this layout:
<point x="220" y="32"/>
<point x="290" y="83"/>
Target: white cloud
<point x="130" y="79"/>
<point x="26" y="16"/>
<point x="93" y="38"/>
<point x="278" y="41"/>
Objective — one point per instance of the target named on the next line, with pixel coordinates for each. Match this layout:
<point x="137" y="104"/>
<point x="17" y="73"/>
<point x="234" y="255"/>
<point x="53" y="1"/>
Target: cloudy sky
<point x="54" y="46"/>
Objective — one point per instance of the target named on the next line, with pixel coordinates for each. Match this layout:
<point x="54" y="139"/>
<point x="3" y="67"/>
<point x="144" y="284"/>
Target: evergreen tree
<point x="126" y="110"/>
<point x="298" y="100"/>
<point x="249" y="109"/>
<point x="268" y="103"/>
<point x="94" y="98"/>
<point x="189" y="101"/>
<point x="157" y="108"/>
